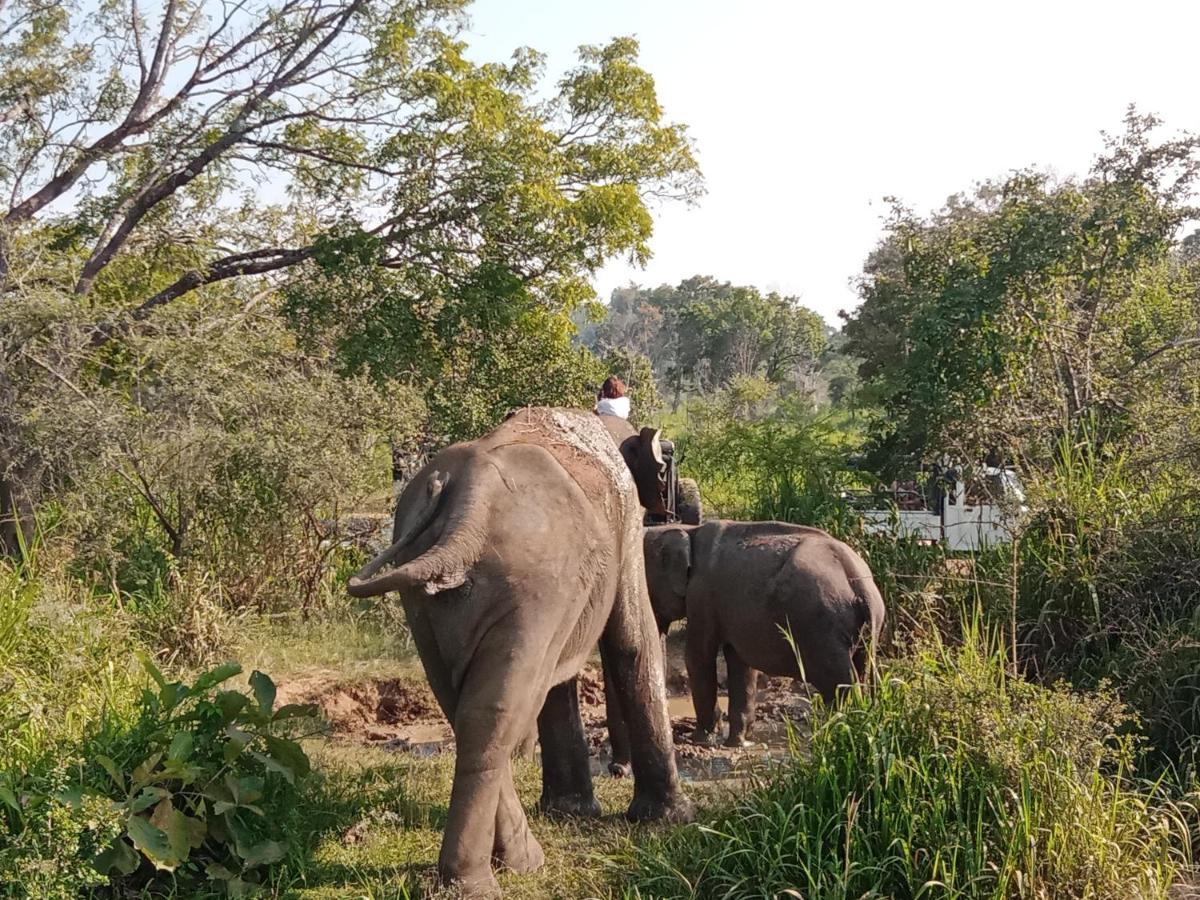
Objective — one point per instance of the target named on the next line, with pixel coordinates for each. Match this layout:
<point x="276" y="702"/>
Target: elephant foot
<point x="737" y="741"/>
<point x="523" y="857"/>
<point x="619" y="770"/>
<point x="675" y="809"/>
<point x="576" y="806"/>
<point x="703" y="737"/>
<point x="473" y="887"/>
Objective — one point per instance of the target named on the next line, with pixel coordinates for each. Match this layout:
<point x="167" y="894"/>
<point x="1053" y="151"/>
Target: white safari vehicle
<point x="965" y="515"/>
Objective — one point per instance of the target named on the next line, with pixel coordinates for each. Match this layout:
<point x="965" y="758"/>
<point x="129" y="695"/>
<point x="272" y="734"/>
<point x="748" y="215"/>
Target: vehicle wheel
<point x="687" y="502"/>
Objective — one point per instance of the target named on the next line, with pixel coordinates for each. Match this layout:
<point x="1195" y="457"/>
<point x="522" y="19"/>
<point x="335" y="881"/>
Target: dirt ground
<point x="401" y="714"/>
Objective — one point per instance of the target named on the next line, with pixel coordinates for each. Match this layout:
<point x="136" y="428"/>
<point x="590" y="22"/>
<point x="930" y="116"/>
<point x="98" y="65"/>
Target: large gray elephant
<point x="742" y="586"/>
<point x="513" y="555"/>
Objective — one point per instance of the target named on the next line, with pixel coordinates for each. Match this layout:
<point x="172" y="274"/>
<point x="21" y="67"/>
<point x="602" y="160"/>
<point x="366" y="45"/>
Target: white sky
<point x="806" y="115"/>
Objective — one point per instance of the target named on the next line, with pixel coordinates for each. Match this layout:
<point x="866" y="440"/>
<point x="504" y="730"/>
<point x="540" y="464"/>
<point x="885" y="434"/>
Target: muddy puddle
<point x="401" y="715"/>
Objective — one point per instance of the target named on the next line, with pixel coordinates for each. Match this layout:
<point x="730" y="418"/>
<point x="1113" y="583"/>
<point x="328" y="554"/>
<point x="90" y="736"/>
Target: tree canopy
<point x="1034" y="308"/>
<point x="417" y="218"/>
<point x="703" y="333"/>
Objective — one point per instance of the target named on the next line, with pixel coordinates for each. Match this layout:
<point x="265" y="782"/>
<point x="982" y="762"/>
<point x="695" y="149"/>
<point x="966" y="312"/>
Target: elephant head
<point x="643" y="454"/>
<point x="668" y="551"/>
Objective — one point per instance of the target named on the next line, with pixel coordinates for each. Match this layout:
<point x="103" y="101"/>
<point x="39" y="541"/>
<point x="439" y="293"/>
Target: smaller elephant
<point x="751" y="590"/>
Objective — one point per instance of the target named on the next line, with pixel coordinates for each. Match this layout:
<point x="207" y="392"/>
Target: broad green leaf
<point x="118" y="859"/>
<point x="144" y="773"/>
<point x="250" y="789"/>
<point x="231" y="703"/>
<point x="236" y="743"/>
<point x="288" y="753"/>
<point x="215" y="676"/>
<point x="264" y="691"/>
<point x="181" y="746"/>
<point x="274" y="766"/>
<point x="150" y="667"/>
<point x="265" y="854"/>
<point x="147" y="798"/>
<point x="183" y="832"/>
<point x="169" y="694"/>
<point x="9" y="798"/>
<point x="71" y="796"/>
<point x="113" y="771"/>
<point x="218" y="872"/>
<point x="150" y="840"/>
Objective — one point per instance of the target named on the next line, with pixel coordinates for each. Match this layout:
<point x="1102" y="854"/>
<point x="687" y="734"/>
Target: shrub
<point x="186" y="786"/>
<point x="952" y="780"/>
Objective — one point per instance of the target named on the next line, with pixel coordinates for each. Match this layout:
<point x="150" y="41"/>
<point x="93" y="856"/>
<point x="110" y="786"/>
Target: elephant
<point x="514" y="554"/>
<point x="741" y="586"/>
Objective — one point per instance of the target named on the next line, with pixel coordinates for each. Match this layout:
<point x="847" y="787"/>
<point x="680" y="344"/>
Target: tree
<point x="1034" y="310"/>
<point x="703" y="332"/>
<point x="741" y="332"/>
<point x="137" y="151"/>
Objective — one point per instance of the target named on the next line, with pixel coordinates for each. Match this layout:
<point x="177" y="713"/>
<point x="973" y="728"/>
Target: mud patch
<point x="389" y="712"/>
<point x="779" y="543"/>
<point x="782" y="711"/>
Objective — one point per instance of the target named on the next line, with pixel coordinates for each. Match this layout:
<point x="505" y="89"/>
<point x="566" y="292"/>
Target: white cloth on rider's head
<point x="613" y="406"/>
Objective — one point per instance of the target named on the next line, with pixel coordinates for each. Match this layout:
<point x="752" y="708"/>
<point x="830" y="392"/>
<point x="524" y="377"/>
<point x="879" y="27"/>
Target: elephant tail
<point x="443" y="566"/>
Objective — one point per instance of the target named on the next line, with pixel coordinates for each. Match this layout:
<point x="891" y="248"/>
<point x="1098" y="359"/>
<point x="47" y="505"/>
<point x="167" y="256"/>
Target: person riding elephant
<point x="514" y="555"/>
<point x="763" y="593"/>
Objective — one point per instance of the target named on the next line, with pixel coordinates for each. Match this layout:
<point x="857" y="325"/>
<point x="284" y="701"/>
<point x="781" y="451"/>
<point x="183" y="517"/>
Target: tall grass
<point x="952" y="780"/>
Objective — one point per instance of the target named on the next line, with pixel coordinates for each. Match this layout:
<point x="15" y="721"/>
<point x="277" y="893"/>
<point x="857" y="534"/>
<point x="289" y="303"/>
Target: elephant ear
<point x="652" y="445"/>
<point x="675" y="558"/>
<point x="642" y="452"/>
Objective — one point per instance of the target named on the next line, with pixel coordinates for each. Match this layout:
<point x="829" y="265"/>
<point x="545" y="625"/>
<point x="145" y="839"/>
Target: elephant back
<point x="582" y="446"/>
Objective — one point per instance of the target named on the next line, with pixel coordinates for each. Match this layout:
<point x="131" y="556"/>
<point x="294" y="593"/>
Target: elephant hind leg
<point x="514" y="847"/>
<point x="701" y="659"/>
<point x="829" y="669"/>
<point x="485" y="818"/>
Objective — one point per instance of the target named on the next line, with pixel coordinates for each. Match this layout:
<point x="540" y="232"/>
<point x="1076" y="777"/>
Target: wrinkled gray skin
<point x="513" y="555"/>
<point x="740" y="585"/>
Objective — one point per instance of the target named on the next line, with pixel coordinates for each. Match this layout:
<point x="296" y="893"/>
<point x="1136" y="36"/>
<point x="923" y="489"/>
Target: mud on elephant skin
<point x="741" y="586"/>
<point x="513" y="555"/>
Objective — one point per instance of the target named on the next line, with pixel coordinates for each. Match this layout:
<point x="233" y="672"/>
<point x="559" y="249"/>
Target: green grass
<point x="954" y="780"/>
<point x="373" y="825"/>
<point x="351" y="640"/>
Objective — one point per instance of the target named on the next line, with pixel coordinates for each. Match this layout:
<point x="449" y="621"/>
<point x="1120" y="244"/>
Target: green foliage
<point x="703" y="334"/>
<point x="787" y="465"/>
<point x="479" y="307"/>
<point x="186" y="787"/>
<point x="1013" y="315"/>
<point x="954" y="779"/>
<point x="212" y="448"/>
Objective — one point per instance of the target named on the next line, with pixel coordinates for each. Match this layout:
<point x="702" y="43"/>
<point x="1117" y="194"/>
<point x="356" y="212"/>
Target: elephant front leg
<point x="566" y="776"/>
<point x="743" y="697"/>
<point x="701" y="660"/>
<point x="618" y="732"/>
<point x="630" y="649"/>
